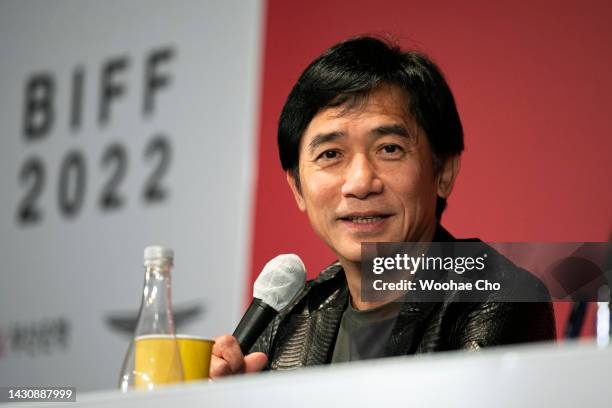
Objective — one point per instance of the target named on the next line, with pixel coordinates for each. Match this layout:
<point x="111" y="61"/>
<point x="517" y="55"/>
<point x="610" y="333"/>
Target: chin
<point x="351" y="255"/>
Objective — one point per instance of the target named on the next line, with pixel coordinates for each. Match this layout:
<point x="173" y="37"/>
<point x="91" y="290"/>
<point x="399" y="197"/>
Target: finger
<point x="227" y="348"/>
<point x="255" y="362"/>
<point x="219" y="367"/>
<point x="219" y="344"/>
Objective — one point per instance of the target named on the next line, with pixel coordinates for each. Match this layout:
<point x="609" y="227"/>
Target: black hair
<point x="348" y="72"/>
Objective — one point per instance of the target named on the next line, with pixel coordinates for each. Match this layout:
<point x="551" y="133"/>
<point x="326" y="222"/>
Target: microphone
<point x="279" y="283"/>
<point x="576" y="319"/>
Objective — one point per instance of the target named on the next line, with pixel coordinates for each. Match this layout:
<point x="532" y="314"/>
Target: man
<point x="370" y="140"/>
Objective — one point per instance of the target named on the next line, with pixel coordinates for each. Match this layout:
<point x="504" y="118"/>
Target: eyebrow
<point x="321" y="138"/>
<point x="395" y="129"/>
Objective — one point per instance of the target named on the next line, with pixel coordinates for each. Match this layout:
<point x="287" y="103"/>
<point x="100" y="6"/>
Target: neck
<point x="352" y="271"/>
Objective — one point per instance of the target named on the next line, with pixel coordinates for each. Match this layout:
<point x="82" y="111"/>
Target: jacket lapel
<point x="325" y="323"/>
<point x="412" y="315"/>
<point x="407" y="328"/>
<point x="308" y="337"/>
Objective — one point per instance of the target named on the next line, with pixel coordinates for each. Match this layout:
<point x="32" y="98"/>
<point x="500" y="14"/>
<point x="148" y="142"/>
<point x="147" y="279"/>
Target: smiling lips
<point x="365" y="222"/>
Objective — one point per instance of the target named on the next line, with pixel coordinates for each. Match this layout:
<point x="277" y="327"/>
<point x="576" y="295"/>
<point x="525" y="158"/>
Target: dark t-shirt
<point x="363" y="334"/>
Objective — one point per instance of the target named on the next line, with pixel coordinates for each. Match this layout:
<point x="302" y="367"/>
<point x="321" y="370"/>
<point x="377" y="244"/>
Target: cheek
<point x="415" y="188"/>
<point x="409" y="178"/>
<point x="320" y="193"/>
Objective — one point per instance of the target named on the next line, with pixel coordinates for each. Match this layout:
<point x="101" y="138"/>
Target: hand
<point x="227" y="359"/>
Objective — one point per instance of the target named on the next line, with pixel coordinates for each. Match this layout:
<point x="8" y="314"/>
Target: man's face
<point x="367" y="175"/>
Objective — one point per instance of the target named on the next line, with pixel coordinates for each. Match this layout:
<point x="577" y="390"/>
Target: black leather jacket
<point x="305" y="335"/>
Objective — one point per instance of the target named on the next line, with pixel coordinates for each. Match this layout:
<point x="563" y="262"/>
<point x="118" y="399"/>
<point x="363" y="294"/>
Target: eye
<point x="329" y="155"/>
<point x="392" y="150"/>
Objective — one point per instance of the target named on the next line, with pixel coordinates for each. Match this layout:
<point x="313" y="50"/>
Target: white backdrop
<point x="89" y="180"/>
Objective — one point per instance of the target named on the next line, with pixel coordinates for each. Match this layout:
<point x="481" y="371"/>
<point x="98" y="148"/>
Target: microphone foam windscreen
<point x="280" y="281"/>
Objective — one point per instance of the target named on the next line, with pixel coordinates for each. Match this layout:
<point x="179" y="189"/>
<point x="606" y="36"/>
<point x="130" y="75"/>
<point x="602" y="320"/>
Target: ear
<point x="447" y="175"/>
<point x="296" y="192"/>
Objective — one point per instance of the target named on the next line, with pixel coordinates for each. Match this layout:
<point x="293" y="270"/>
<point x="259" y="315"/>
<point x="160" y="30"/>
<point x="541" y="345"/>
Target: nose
<point x="361" y="178"/>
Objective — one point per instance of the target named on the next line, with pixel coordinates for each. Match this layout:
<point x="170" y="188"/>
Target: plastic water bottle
<point x="153" y="357"/>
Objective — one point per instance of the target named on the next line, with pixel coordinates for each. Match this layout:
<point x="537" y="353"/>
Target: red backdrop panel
<point x="533" y="87"/>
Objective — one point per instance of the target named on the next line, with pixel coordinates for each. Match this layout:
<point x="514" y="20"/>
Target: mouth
<point x="365" y="218"/>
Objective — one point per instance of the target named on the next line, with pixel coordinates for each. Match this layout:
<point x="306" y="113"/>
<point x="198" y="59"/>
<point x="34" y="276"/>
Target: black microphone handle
<point x="576" y="319"/>
<point x="257" y="317"/>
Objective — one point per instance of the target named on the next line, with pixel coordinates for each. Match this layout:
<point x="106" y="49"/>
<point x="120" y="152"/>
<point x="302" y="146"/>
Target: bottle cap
<point x="158" y="252"/>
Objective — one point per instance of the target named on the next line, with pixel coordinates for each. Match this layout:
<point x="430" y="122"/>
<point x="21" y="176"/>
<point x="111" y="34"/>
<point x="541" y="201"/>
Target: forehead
<point x="385" y="103"/>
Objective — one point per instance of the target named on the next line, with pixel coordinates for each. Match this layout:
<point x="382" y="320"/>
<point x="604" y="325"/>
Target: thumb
<point x="255" y="362"/>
